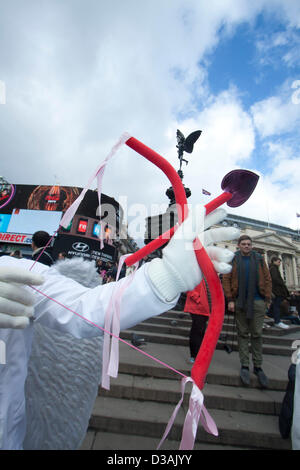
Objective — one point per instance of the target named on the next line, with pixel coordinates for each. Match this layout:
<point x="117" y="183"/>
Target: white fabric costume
<point x="92" y="304"/>
<point x="63" y="376"/>
<point x="51" y="359"/>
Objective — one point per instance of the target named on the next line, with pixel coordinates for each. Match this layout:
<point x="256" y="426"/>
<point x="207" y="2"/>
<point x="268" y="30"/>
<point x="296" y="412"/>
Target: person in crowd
<point x="111" y="272"/>
<point x="62" y="255"/>
<point x="287" y="406"/>
<point x="279" y="291"/>
<point x="122" y="270"/>
<point x="295" y="302"/>
<point x="101" y="269"/>
<point x="197" y="305"/>
<point x="155" y="288"/>
<point x="294" y="308"/>
<point x="248" y="291"/>
<point x="16" y="254"/>
<point x="40" y="239"/>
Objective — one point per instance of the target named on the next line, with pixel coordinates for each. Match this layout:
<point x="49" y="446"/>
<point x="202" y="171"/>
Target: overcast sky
<point x="79" y="73"/>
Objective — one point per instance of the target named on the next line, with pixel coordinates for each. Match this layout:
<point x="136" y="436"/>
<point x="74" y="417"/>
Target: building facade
<point x="270" y="240"/>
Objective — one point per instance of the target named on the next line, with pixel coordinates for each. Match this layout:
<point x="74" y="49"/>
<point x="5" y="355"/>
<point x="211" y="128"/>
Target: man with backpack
<point x="248" y="289"/>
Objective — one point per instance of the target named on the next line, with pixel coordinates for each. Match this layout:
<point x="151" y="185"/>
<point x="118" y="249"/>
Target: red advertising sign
<point x="82" y="226"/>
<point x="15" y="238"/>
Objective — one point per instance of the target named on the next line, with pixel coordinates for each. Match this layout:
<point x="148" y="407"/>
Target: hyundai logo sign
<point x="81" y="247"/>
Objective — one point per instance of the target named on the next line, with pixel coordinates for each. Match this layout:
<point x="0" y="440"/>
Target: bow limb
<point x="215" y="323"/>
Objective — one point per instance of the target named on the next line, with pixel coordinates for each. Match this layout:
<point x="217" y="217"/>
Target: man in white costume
<point x="154" y="289"/>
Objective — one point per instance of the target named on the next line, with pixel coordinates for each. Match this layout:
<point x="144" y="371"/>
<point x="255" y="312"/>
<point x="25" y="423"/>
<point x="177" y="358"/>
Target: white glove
<point x="16" y="303"/>
<point x="178" y="270"/>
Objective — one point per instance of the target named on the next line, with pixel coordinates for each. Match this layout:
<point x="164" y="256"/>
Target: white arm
<point x="155" y="287"/>
<point x="139" y="300"/>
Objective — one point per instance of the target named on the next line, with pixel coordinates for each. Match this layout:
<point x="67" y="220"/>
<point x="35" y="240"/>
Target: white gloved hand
<point x="178" y="270"/>
<point x="16" y="303"/>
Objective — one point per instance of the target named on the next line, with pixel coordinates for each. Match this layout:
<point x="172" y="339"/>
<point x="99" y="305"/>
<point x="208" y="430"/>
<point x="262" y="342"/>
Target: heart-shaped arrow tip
<point x="241" y="184"/>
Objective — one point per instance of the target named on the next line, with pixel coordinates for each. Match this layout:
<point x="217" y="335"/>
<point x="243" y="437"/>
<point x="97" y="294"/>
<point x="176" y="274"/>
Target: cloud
<point x="78" y="74"/>
<point x="276" y="121"/>
<point x="279" y="48"/>
<point x="276" y="115"/>
<point x="227" y="142"/>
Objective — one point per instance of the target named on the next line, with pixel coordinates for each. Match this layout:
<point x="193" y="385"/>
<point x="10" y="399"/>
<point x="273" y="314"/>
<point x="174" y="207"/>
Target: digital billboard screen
<point x="30" y="221"/>
<point x="4" y="221"/>
<point x="82" y="226"/>
<point x="96" y="230"/>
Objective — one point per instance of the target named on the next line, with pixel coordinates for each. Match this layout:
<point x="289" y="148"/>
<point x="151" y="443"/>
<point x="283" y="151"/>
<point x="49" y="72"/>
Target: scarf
<point x="246" y="292"/>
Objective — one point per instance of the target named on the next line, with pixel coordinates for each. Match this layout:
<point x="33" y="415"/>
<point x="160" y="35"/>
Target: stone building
<point x="268" y="239"/>
<point x="271" y="239"/>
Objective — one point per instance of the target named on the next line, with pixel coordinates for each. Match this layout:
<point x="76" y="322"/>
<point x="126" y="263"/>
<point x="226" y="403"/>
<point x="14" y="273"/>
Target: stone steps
<point x="217" y="396"/>
<point x="97" y="440"/>
<point x="159" y="334"/>
<point x="133" y="414"/>
<point x="174" y="322"/>
<point x="148" y="418"/>
<point x="228" y="332"/>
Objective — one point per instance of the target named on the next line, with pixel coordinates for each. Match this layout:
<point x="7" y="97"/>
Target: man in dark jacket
<point x="39" y="241"/>
<point x="279" y="291"/>
<point x="247" y="289"/>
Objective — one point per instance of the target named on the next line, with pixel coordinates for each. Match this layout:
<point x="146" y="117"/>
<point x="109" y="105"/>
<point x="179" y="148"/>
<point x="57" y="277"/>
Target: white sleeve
<point x="139" y="302"/>
<point x="87" y="307"/>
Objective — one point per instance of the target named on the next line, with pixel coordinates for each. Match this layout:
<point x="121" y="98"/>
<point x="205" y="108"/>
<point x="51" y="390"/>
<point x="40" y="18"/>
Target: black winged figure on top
<point x="186" y="144"/>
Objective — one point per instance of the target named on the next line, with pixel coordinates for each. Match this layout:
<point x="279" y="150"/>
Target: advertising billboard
<point x="26" y="209"/>
<point x="30" y="221"/>
<point x="83" y="247"/>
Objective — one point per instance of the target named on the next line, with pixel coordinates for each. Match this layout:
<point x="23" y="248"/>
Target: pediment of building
<point x="274" y="240"/>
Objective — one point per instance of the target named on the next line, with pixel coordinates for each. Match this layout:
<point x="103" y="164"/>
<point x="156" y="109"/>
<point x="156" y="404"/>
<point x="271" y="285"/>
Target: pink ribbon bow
<point x="98" y="173"/>
<point x="195" y="412"/>
<point x="110" y="362"/>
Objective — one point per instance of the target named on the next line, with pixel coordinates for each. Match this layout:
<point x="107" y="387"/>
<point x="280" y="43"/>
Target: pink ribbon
<point x="98" y="173"/>
<point x="110" y="364"/>
<point x="195" y="412"/>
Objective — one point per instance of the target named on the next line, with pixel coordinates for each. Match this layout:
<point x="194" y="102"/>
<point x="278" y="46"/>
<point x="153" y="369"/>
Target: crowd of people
<point x="107" y="271"/>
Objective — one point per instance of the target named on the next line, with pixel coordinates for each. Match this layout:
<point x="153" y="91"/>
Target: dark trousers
<point x="276" y="308"/>
<point x="250" y="329"/>
<point x="197" y="332"/>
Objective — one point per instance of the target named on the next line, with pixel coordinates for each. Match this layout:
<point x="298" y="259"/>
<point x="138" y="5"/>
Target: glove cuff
<point x="165" y="280"/>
